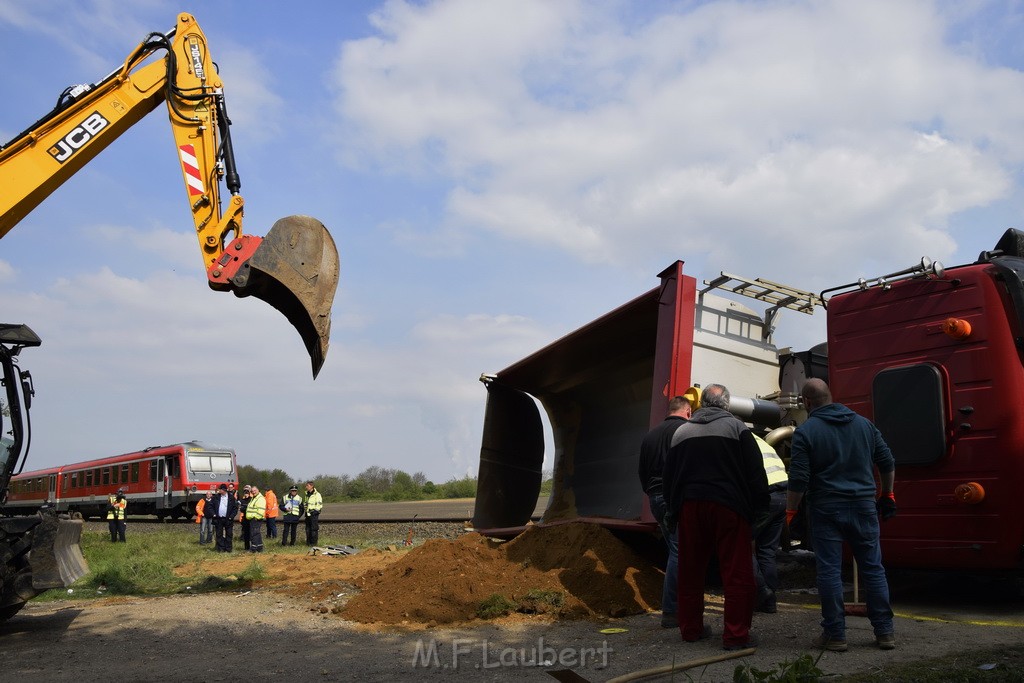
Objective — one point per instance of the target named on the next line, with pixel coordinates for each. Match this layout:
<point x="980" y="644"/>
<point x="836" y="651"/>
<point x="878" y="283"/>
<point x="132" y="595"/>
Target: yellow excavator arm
<point x="294" y="268"/>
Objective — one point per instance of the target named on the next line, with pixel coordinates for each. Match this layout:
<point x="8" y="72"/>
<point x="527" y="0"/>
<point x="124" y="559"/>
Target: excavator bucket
<point x="56" y="556"/>
<point x="295" y="270"/>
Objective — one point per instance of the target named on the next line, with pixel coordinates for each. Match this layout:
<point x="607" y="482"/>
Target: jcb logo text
<point x="78" y="136"/>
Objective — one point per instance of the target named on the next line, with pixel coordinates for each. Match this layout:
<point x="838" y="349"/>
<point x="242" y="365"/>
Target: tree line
<point x="373" y="483"/>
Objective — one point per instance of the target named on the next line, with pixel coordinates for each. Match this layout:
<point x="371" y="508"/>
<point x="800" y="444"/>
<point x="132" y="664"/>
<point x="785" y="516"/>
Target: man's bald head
<point x="815" y="394"/>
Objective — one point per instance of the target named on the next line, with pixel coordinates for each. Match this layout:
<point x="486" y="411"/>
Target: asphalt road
<point x="455" y="510"/>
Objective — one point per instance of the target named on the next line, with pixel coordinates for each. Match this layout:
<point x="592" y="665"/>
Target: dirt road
<point x="288" y="626"/>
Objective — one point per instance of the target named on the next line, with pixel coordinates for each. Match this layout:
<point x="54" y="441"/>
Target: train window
<point x="152" y="470"/>
<point x="113" y="474"/>
<point x="176" y="467"/>
<point x="106" y="476"/>
<point x="96" y="476"/>
<point x="65" y="484"/>
<point x="909" y="411"/>
<point x="124" y="474"/>
<point x="88" y="478"/>
<point x="221" y="464"/>
<point x="199" y="463"/>
<point x="135" y="473"/>
<point x="74" y="480"/>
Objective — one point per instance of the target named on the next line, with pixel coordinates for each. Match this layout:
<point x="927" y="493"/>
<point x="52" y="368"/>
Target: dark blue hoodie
<point x="834" y="454"/>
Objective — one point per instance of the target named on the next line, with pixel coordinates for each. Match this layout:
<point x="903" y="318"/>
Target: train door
<point x="167" y="466"/>
<point x="160" y="482"/>
<point x="51" y="497"/>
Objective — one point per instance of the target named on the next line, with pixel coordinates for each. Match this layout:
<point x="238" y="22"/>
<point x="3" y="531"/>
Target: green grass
<point x="166" y="562"/>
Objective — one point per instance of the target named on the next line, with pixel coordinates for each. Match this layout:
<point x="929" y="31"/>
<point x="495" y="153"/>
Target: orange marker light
<point x="970" y="493"/>
<point x="956" y="328"/>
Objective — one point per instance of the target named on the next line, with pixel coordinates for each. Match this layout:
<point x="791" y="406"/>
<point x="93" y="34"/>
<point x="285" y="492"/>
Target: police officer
<point x="314" y="503"/>
<point x="292" y="507"/>
<point x="116" y="506"/>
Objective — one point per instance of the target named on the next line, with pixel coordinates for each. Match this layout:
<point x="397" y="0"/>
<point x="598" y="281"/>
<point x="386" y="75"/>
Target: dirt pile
<point x="442" y="582"/>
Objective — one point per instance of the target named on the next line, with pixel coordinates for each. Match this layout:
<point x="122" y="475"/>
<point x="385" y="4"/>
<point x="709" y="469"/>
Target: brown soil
<point x="569" y="571"/>
<point x="444" y="582"/>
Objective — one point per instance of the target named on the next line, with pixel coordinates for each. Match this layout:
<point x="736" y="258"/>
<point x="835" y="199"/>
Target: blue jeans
<point x="855" y="522"/>
<point x="669" y="589"/>
<point x="205" y="530"/>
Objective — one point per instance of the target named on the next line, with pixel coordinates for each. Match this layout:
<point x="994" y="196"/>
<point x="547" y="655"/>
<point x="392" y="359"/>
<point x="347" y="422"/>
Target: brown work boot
<point x="886" y="641"/>
<point x="824" y="642"/>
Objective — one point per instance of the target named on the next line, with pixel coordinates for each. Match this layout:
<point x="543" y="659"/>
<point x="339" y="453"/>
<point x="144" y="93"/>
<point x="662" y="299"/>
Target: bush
<point x="459" y="488"/>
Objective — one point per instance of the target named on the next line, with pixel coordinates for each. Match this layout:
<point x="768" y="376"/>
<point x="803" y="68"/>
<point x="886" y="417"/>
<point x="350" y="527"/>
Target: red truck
<point x="932" y="355"/>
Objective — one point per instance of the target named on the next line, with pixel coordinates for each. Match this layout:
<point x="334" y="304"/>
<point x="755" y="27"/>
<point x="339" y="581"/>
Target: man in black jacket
<point x="652" y="463"/>
<point x="715" y="486"/>
<point x="223" y="509"/>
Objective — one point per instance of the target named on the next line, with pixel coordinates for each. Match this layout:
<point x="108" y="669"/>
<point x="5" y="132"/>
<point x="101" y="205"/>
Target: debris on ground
<point x="333" y="550"/>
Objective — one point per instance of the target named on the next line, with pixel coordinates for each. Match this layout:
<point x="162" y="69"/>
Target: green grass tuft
<point x="495" y="606"/>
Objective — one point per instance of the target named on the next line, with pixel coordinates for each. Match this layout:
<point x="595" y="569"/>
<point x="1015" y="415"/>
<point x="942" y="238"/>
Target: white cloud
<point x="170" y="247"/>
<point x="743" y="132"/>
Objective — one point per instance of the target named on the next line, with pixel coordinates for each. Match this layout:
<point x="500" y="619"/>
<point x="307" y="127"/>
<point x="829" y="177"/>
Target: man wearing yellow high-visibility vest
<point x="255" y="512"/>
<point x="116" y="505"/>
<point x="313" y="503"/>
<point x="767" y="534"/>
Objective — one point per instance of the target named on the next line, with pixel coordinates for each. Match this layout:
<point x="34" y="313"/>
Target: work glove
<point x="886" y="505"/>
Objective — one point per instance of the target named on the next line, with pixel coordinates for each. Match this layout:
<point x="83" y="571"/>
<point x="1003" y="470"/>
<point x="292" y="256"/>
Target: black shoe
<point x="705" y="633"/>
<point x="751" y="642"/>
<point x="766" y="601"/>
<point x="669" y="621"/>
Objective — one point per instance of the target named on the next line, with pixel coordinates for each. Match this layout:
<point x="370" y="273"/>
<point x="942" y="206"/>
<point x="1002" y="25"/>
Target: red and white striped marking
<point x="190" y="165"/>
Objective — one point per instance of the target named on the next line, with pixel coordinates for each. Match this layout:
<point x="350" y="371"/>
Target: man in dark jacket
<point x="715" y="485"/>
<point x="652" y="463"/>
<point x="833" y="459"/>
<point x="222" y="509"/>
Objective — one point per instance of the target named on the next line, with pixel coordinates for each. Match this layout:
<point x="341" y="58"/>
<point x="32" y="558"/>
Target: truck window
<point x="910" y="412"/>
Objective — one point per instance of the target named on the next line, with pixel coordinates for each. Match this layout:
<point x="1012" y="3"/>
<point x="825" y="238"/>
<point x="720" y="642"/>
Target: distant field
<point x="456" y="509"/>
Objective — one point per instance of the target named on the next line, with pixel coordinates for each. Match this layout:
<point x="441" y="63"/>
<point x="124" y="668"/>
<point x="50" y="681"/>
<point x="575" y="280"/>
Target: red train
<point x="165" y="481"/>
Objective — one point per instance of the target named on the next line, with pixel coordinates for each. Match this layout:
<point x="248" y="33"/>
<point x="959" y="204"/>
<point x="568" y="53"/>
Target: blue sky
<point x="495" y="174"/>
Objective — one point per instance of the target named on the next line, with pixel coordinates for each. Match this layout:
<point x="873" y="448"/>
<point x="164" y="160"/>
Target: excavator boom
<point x="294" y="268"/>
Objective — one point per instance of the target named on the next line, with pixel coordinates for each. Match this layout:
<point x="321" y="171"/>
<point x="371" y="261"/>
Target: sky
<point x="495" y="175"/>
